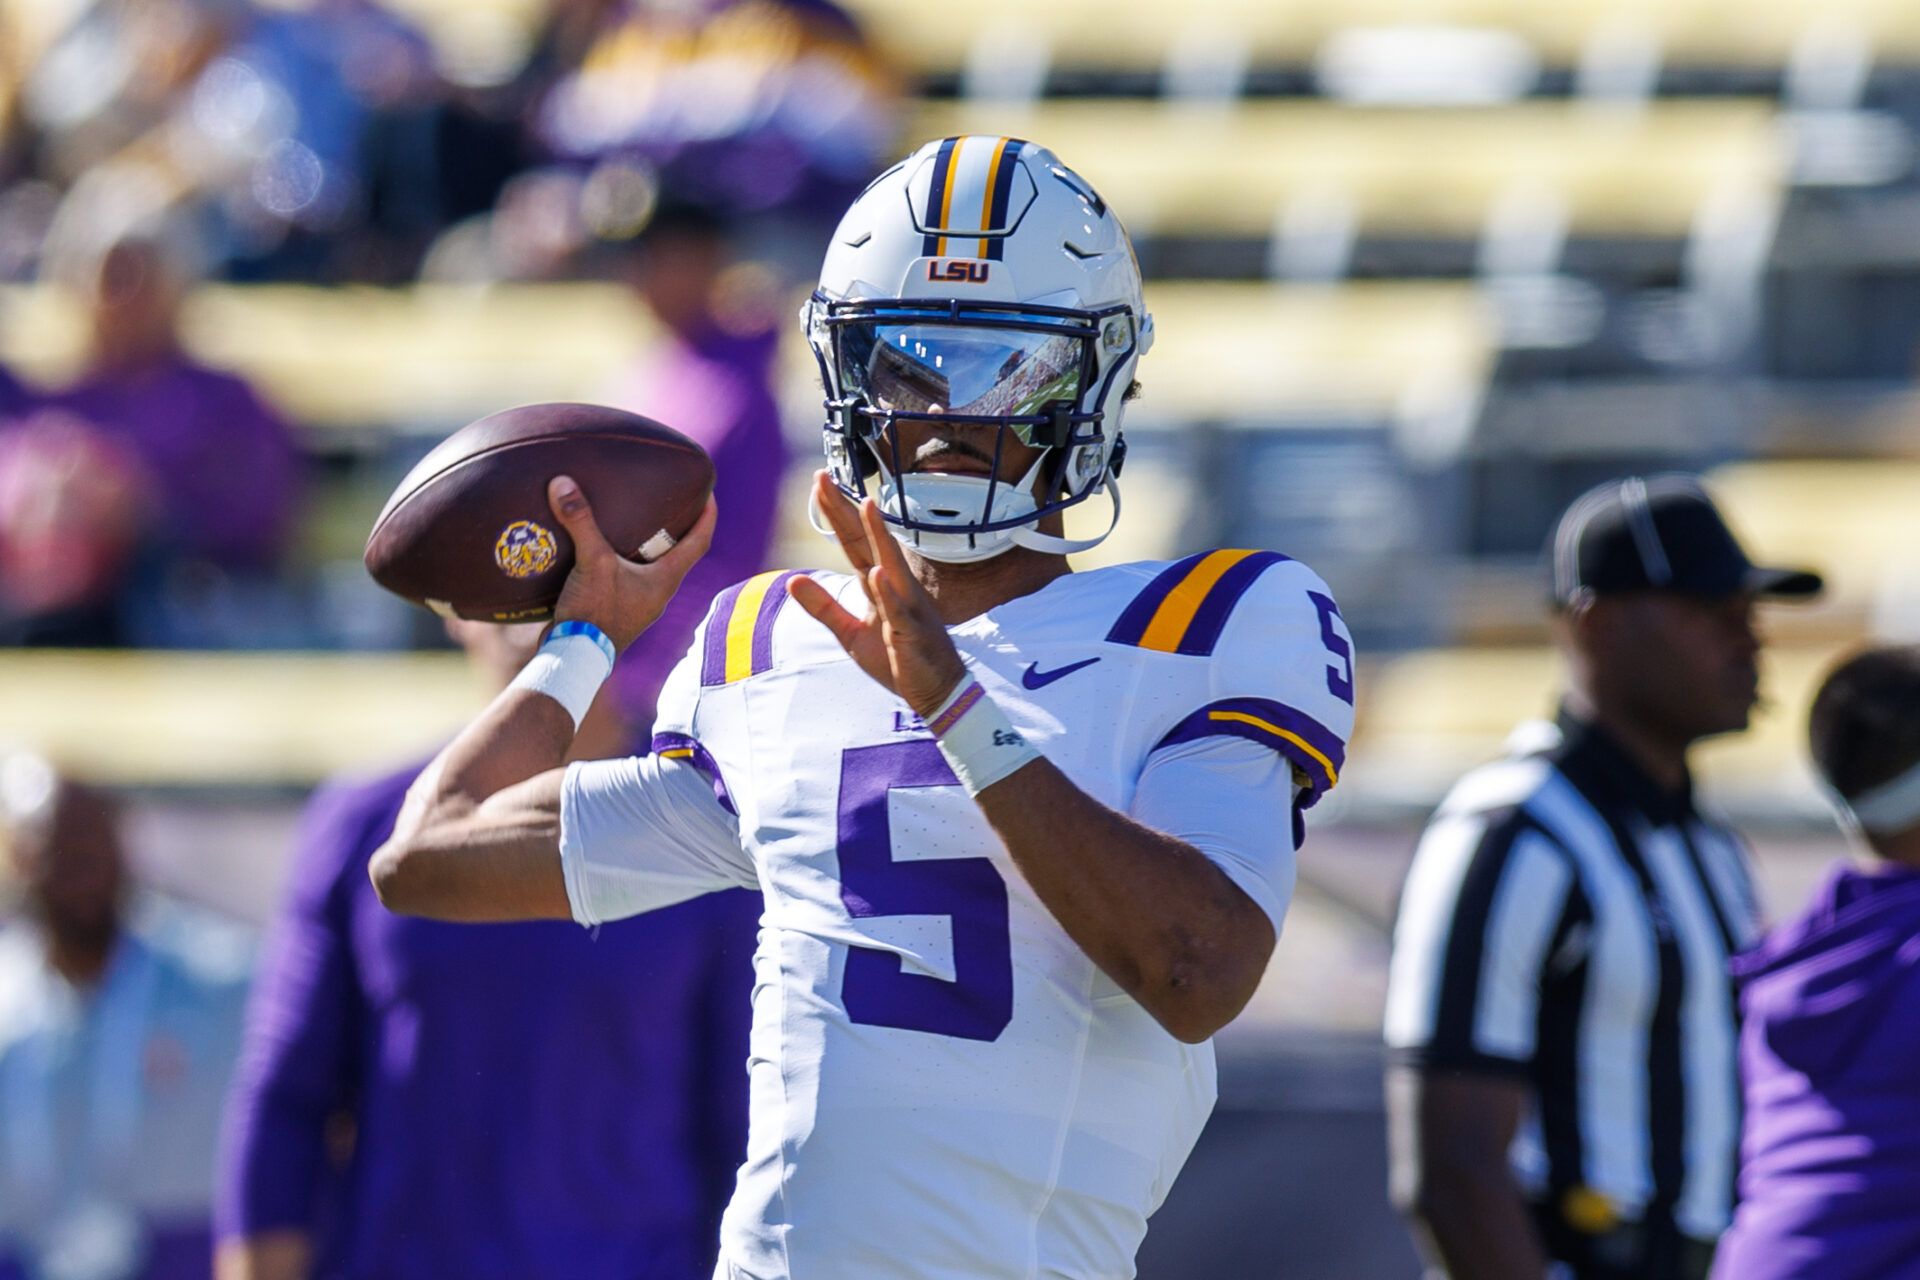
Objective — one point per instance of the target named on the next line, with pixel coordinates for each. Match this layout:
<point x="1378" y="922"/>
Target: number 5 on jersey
<point x="978" y="1003"/>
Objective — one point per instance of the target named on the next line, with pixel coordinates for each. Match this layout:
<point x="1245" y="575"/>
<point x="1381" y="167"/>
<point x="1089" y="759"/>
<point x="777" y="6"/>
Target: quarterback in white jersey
<point x="1025" y="836"/>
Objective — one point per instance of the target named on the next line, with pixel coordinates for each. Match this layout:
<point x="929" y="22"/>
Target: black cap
<point x="1662" y="533"/>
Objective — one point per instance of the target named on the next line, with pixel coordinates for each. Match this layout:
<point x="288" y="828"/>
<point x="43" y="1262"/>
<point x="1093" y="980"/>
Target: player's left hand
<point x="902" y="641"/>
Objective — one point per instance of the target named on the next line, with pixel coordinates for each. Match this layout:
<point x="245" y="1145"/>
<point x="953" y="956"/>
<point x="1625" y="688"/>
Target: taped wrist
<point x="570" y="666"/>
<point x="980" y="743"/>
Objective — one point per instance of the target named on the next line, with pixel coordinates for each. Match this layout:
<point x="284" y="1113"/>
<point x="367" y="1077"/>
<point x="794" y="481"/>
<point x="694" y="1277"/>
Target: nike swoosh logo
<point x="1034" y="678"/>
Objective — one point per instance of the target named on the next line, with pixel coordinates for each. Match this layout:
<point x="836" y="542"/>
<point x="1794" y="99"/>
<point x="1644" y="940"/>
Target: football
<point x="469" y="533"/>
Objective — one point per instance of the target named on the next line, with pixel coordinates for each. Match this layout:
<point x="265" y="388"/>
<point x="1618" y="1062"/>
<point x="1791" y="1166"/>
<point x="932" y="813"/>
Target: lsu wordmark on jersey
<point x="944" y="1085"/>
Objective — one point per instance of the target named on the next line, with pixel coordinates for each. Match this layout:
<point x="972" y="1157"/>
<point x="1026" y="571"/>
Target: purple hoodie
<point x="1830" y="1060"/>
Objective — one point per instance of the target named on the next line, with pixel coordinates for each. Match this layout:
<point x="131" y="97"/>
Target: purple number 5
<point x="877" y="991"/>
<point x="1339" y="679"/>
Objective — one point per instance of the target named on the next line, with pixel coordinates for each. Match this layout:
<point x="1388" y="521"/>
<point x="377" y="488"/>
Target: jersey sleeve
<point x="649" y="831"/>
<point x="643" y="833"/>
<point x="1227" y="797"/>
<point x="1487" y="905"/>
<point x="1280" y="670"/>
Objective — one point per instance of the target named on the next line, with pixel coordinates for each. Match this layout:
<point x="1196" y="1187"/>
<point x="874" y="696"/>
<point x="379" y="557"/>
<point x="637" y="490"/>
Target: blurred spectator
<point x="1830" y="1049"/>
<point x="210" y="472"/>
<point x="115" y="1045"/>
<point x="293" y="104"/>
<point x="525" y="1100"/>
<point x="15" y="399"/>
<point x="73" y="503"/>
<point x="107" y="75"/>
<point x="747" y="105"/>
<point x="711" y="377"/>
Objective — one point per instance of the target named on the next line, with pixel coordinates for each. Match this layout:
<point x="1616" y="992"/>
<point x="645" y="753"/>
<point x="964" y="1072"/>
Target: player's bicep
<point x="1233" y="800"/>
<point x="645" y="832"/>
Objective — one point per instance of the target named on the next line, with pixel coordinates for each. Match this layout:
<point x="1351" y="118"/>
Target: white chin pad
<point x="961" y="501"/>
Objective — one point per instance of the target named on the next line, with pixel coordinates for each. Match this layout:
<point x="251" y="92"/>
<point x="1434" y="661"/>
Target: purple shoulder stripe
<point x="1133" y="621"/>
<point x="1210" y="619"/>
<point x="770" y="606"/>
<point x="713" y="658"/>
<point x="1314" y="749"/>
<point x="681" y="747"/>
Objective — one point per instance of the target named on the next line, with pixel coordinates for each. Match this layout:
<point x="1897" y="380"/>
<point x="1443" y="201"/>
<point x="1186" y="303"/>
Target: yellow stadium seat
<point x="1232" y="170"/>
<point x="1856" y="521"/>
<point x="433" y="355"/>
<point x="1085" y="35"/>
<point x="279" y="719"/>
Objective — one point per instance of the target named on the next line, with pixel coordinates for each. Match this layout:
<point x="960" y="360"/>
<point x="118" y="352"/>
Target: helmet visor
<point x="972" y="370"/>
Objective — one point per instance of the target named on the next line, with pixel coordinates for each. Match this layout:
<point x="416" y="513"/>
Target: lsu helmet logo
<point x="525" y="549"/>
<point x="958" y="271"/>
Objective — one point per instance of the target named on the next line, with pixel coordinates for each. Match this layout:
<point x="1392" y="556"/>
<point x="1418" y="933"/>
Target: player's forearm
<point x="1161" y="920"/>
<point x="478" y="838"/>
<point x="520" y="735"/>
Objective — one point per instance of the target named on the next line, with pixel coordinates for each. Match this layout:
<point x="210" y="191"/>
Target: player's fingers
<point x="682" y="555"/>
<point x="819" y="602"/>
<point x="888" y="600"/>
<point x="845" y="522"/>
<point x="887" y="550"/>
<point x="899" y="601"/>
<point x="575" y="514"/>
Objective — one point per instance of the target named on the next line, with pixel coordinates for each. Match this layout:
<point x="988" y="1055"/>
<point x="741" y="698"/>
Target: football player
<point x="1025" y="836"/>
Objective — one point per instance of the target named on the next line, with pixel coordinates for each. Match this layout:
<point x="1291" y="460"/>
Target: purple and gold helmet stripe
<point x="739" y="640"/>
<point x="1005" y="161"/>
<point x="995" y="160"/>
<point x="1185" y="608"/>
<point x="939" y="198"/>
<point x="1314" y="750"/>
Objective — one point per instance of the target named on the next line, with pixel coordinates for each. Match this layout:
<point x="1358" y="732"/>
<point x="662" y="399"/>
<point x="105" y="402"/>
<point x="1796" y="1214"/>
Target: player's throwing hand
<point x="902" y="642"/>
<point x="621" y="597"/>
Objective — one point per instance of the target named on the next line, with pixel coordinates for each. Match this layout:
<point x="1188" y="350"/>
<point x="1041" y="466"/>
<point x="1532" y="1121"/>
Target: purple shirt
<point x="225" y="466"/>
<point x="15" y="399"/>
<point x="530" y="1100"/>
<point x="717" y="389"/>
<point x="1830" y="1062"/>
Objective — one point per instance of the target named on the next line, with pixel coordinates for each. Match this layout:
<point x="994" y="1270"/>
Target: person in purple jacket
<point x="221" y="471"/>
<point x="15" y="399"/>
<point x="710" y="377"/>
<point x="1830" y="1048"/>
<point x="514" y="1101"/>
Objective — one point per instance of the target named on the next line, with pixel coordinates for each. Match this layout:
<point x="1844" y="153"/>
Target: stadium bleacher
<point x="1406" y="305"/>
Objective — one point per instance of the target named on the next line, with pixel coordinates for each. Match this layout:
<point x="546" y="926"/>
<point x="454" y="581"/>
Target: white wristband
<point x="570" y="667"/>
<point x="980" y="743"/>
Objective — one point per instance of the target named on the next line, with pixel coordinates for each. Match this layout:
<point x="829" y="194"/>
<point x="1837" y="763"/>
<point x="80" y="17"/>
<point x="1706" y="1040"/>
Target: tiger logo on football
<point x="525" y="549"/>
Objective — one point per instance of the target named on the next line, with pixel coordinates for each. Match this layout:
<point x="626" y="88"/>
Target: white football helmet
<point x="979" y="281"/>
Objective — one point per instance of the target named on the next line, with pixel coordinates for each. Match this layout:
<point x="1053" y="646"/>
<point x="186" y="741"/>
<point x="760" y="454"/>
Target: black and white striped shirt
<point x="1568" y="921"/>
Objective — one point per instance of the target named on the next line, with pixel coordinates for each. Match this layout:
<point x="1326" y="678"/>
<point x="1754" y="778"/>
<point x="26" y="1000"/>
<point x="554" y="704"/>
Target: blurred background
<point x="1422" y="271"/>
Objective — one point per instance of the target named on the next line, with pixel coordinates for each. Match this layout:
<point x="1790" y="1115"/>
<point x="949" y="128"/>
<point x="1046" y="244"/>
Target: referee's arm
<point x="1477" y="915"/>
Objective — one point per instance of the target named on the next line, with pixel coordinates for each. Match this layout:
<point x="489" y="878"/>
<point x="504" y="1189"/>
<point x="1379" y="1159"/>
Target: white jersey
<point x="943" y="1084"/>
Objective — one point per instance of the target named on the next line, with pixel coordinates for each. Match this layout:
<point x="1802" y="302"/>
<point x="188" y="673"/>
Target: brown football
<point x="469" y="532"/>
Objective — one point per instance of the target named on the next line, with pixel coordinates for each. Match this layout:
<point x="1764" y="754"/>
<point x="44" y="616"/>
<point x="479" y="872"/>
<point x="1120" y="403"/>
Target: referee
<point x="1560" y="1025"/>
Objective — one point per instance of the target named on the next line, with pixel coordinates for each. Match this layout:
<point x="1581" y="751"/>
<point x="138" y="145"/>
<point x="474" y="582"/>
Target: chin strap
<point x="1034" y="540"/>
<point x="818" y="518"/>
<point x="1028" y="537"/>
